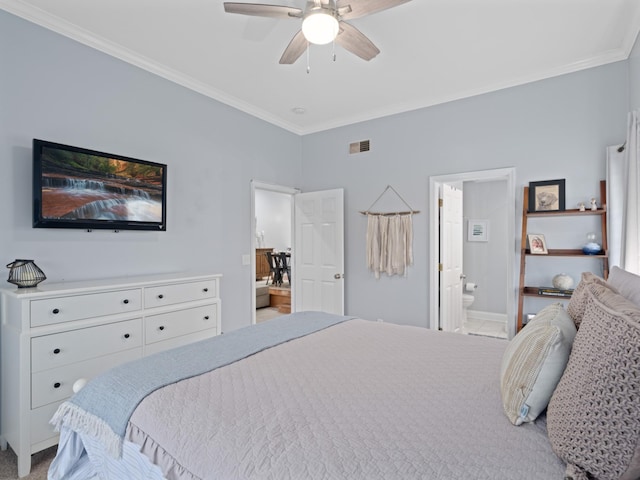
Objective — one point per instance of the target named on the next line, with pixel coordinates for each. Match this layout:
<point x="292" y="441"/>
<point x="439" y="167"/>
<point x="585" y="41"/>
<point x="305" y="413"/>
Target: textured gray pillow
<point x="593" y="418"/>
<point x="575" y="309"/>
<point x="626" y="283"/>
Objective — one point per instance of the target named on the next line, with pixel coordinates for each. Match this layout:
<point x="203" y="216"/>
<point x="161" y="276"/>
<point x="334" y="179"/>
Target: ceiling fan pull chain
<point x="308" y="66"/>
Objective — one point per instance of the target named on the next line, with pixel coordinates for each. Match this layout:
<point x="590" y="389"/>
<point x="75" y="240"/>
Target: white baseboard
<point x="490" y="316"/>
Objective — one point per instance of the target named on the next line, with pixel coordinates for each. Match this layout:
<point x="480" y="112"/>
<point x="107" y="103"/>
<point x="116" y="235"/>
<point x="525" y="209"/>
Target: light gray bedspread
<point x="103" y="407"/>
<point x="359" y="400"/>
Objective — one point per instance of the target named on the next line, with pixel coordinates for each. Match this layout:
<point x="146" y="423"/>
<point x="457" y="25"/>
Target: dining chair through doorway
<point x="274" y="269"/>
<point x="285" y="266"/>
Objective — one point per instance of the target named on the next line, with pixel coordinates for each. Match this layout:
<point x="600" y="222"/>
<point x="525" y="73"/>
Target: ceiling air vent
<point x="359" y="147"/>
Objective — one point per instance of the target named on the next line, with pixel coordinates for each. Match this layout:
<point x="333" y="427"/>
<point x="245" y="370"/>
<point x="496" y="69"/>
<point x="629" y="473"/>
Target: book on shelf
<point x="555" y="292"/>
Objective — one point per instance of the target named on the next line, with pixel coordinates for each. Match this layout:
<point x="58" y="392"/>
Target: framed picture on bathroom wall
<point x="478" y="230"/>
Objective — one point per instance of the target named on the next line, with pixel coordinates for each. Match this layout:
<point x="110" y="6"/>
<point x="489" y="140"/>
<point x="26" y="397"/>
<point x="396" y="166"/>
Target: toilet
<point x="467" y="300"/>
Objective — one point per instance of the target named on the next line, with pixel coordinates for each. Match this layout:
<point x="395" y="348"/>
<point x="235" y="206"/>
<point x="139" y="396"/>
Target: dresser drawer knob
<point x="125" y="301"/>
<point x="57" y="385"/>
<point x="206" y="317"/>
<point x="126" y="335"/>
<point x="161" y="327"/>
<point x="161" y="296"/>
<point x="56" y="351"/>
<point x="205" y="290"/>
<point x="56" y="311"/>
<point x="78" y="385"/>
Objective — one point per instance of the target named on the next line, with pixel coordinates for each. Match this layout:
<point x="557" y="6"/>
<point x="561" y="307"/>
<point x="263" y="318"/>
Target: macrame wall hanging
<point x="389" y="238"/>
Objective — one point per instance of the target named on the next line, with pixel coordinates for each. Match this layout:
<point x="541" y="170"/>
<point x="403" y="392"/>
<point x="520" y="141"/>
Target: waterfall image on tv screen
<point x="84" y="186"/>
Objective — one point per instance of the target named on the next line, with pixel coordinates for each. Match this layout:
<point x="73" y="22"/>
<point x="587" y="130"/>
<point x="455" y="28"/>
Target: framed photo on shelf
<point x="537" y="244"/>
<point x="546" y="196"/>
<point x="478" y="231"/>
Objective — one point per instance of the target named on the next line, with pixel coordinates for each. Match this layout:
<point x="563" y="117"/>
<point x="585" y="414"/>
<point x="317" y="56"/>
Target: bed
<point x="317" y="396"/>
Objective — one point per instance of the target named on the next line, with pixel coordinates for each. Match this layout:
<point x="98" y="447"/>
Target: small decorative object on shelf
<point x="562" y="281"/>
<point x="25" y="273"/>
<point x="537" y="244"/>
<point x="591" y="247"/>
<point x="555" y="292"/>
<point x="594" y="205"/>
<point x="581" y="207"/>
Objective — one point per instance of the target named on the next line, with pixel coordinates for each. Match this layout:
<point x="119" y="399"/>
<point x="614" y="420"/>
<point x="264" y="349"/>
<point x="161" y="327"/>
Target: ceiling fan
<point x="323" y="21"/>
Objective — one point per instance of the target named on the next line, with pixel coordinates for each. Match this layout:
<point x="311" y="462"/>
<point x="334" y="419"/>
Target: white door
<point x="451" y="259"/>
<point x="318" y="253"/>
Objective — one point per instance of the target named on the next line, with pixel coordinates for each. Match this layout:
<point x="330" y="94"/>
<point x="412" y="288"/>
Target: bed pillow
<point x="626" y="283"/>
<point x="593" y="419"/>
<point x="533" y="363"/>
<point x="576" y="304"/>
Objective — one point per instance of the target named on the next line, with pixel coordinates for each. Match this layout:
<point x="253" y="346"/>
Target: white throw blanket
<point x="389" y="243"/>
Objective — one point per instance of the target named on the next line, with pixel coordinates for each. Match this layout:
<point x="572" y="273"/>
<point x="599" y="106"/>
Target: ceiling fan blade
<point x="350" y="9"/>
<point x="352" y="39"/>
<point x="262" y="10"/>
<point x="296" y="47"/>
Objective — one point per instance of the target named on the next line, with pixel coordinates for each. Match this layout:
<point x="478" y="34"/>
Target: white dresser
<point x="55" y="335"/>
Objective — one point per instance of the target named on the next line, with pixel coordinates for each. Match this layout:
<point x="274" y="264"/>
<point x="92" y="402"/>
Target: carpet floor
<point x="39" y="464"/>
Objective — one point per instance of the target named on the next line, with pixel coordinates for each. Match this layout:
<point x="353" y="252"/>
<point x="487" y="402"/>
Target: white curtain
<point x="623" y="199"/>
<point x="389" y="243"/>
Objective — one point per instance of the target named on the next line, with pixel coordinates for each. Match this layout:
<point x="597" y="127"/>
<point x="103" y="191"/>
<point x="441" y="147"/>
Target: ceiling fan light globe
<point x="320" y="28"/>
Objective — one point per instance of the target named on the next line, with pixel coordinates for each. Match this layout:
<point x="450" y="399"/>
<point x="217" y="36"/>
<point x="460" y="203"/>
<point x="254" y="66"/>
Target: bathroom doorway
<point x="488" y="252"/>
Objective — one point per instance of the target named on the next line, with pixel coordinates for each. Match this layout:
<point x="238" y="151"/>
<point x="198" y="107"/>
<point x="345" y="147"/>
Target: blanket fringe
<point x="75" y="418"/>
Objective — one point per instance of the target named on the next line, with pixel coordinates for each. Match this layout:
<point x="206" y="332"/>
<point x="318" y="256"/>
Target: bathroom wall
<point x="485" y="263"/>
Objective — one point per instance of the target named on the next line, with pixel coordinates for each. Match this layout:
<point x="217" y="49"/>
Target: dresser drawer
<point x="174" y="324"/>
<point x="180" y="292"/>
<point x="65" y="309"/>
<point x="56" y="384"/>
<point x="41" y="429"/>
<point x="56" y="350"/>
<point x="175" y="342"/>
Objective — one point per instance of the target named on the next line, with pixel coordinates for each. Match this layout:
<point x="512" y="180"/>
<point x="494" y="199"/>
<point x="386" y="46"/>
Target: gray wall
<point x="556" y="128"/>
<point x="56" y="89"/>
<point x="273" y="217"/>
<point x="485" y="263"/>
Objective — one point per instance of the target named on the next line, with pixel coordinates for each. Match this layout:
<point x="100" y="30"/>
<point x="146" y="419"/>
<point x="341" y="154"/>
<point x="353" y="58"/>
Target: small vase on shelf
<point x="562" y="281"/>
<point x="591" y="247"/>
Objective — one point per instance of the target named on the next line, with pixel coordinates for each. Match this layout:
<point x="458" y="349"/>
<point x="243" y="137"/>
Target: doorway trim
<point x="506" y="174"/>
<point x="257" y="185"/>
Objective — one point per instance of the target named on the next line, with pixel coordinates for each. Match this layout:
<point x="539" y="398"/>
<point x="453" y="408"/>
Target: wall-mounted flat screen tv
<point x="79" y="188"/>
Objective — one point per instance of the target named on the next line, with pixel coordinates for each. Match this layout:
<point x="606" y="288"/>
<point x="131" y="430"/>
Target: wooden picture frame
<point x="547" y="196"/>
<point x="537" y="244"/>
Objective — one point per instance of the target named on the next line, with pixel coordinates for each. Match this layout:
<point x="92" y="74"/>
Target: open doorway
<point x="271" y="240"/>
<point x="491" y="269"/>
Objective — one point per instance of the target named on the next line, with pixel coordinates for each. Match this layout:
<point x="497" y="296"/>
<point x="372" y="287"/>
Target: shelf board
<point x="533" y="292"/>
<point x="563" y="213"/>
<point x="564" y="253"/>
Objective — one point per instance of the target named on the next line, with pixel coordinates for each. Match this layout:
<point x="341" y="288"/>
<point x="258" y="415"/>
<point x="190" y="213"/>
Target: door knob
<point x="338" y="276"/>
